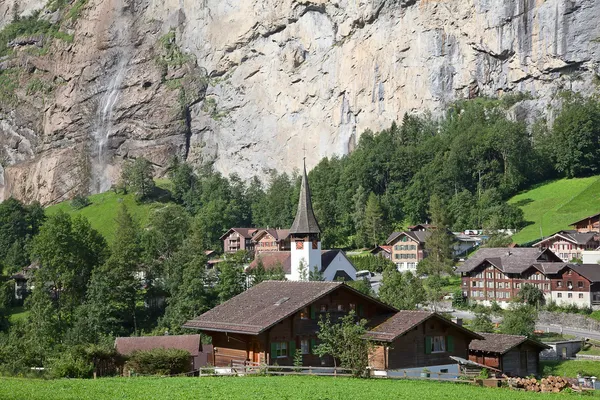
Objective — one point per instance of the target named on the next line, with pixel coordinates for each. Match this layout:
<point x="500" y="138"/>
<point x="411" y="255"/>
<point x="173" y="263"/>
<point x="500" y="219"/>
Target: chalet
<point x="268" y="322"/>
<point x="382" y="251"/>
<point x="271" y="240"/>
<point x="497" y="274"/>
<point x="417" y="339"/>
<point x="577" y="284"/>
<point x="335" y="265"/>
<point x="408" y="248"/>
<point x="236" y="239"/>
<point x="570" y="245"/>
<point x="199" y="354"/>
<point x="588" y="224"/>
<point x="513" y="355"/>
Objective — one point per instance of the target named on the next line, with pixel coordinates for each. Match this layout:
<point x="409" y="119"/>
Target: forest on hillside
<point x="153" y="278"/>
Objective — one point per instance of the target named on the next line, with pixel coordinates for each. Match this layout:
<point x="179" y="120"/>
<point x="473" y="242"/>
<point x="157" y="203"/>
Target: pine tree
<point x="137" y="177"/>
<point x="373" y="220"/>
<point x="402" y="290"/>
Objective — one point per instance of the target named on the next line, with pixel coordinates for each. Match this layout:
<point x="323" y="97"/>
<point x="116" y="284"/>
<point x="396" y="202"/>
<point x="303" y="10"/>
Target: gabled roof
<point x="244" y="232"/>
<point x="570" y="236"/>
<point x="420" y="227"/>
<point x="273" y="259"/>
<point x="509" y="260"/>
<point x="404" y="320"/>
<point x="385" y="248"/>
<point x="586" y="218"/>
<point x="305" y="221"/>
<point x="498" y="343"/>
<point x="277" y="234"/>
<point x="549" y="268"/>
<point x="264" y="305"/>
<point x="589" y="271"/>
<point x="127" y="345"/>
<point x="417" y="236"/>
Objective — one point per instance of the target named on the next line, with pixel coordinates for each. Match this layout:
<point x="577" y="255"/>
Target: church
<point x="306" y="257"/>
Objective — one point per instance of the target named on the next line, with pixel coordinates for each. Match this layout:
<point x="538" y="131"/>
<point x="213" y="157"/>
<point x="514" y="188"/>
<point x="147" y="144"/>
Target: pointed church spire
<point x="305" y="222"/>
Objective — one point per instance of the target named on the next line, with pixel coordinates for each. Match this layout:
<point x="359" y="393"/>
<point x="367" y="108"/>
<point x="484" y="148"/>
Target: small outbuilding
<point x="199" y="353"/>
<point x="513" y="355"/>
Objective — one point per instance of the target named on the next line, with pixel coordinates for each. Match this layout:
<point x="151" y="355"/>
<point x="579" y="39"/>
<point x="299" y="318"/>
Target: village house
<point x="384" y="251"/>
<point x="418" y="339"/>
<point x="497" y="274"/>
<point x="236" y="239"/>
<point x="266" y="240"/>
<point x="588" y="224"/>
<point x="269" y="321"/>
<point x="577" y="284"/>
<point x="570" y="245"/>
<point x="511" y="354"/>
<point x="200" y="355"/>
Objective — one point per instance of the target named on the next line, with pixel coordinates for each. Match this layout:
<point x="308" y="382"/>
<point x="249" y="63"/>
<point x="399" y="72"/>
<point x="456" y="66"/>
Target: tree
<point x="343" y="340"/>
<point x="482" y="322"/>
<point x="439" y="258"/>
<point x="403" y="291"/>
<point x="260" y="274"/>
<point x="519" y="320"/>
<point x="531" y="295"/>
<point x="363" y="286"/>
<point x="373" y="221"/>
<point x="230" y="280"/>
<point x="138" y="178"/>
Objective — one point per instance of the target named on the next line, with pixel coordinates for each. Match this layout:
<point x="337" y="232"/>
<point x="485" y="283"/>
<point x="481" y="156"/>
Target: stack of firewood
<point x="550" y="384"/>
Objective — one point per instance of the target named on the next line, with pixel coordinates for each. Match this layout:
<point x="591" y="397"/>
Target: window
<point x="323" y="307"/>
<point x="581" y="295"/>
<point x="438" y="344"/>
<point x="280" y="349"/>
<point x="570" y="295"/>
<point x="474" y="283"/>
<point x="569" y="272"/>
<point x="546" y="286"/>
<point x="304" y="313"/>
<point x="352" y="306"/>
<point x="580" y="284"/>
<point x="340" y="307"/>
<point x="559" y="295"/>
<point x="304" y="346"/>
<point x="559" y="284"/>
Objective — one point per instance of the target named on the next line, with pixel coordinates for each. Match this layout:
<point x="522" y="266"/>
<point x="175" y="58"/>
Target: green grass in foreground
<point x="17" y="313"/>
<point x="103" y="210"/>
<point x="570" y="368"/>
<point x="248" y="388"/>
<point x="555" y="205"/>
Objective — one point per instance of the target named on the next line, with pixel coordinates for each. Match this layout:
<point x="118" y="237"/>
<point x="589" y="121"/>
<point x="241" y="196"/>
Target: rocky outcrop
<point x="246" y="84"/>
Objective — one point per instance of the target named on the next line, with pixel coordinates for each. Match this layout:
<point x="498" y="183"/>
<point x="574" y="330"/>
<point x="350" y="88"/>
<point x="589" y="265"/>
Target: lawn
<point x="17" y="313"/>
<point x="570" y="368"/>
<point x="553" y="206"/>
<point x="248" y="388"/>
<point x="553" y="337"/>
<point x="103" y="210"/>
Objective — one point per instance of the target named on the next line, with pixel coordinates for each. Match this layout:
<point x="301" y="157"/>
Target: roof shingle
<point x="499" y="343"/>
<point x="127" y="345"/>
<point x="508" y="260"/>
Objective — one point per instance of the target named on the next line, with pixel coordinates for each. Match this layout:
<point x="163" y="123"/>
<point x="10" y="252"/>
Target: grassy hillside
<point x="553" y="206"/>
<point x="103" y="210"/>
<point x="248" y="388"/>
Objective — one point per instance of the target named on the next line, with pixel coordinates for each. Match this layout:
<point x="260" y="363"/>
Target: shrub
<point x="81" y="361"/>
<point x="80" y="202"/>
<point x="159" y="362"/>
<point x="71" y="365"/>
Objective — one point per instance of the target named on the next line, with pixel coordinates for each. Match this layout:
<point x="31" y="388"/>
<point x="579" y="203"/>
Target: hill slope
<point x="553" y="206"/>
<point x="104" y="207"/>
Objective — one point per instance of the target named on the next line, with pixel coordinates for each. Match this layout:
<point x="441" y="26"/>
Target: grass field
<point x="249" y="388"/>
<point x="553" y="206"/>
<point x="103" y="210"/>
<point x="570" y="368"/>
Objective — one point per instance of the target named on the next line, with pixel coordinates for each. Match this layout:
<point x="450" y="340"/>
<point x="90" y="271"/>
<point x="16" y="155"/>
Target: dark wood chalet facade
<point x="268" y="322"/>
<point x="588" y="224"/>
<point x="236" y="239"/>
<point x="412" y="339"/>
<point x="513" y="355"/>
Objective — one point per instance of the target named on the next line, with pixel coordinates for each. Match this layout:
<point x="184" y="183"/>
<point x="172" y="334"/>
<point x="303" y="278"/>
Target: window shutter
<point x="427" y="344"/>
<point x="361" y="311"/>
<point x="313" y="314"/>
<point x="273" y="350"/>
<point x="450" y="344"/>
<point x="292" y="351"/>
<point x="313" y="345"/>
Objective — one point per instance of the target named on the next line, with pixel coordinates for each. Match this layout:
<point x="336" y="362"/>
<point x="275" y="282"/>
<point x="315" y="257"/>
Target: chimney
<point x="458" y="321"/>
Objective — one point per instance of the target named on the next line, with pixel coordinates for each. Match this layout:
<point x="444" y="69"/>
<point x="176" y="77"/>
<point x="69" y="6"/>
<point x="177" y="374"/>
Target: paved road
<point x="569" y="331"/>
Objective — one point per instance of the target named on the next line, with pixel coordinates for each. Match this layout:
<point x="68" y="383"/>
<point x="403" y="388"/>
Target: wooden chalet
<point x="588" y="224"/>
<point x="511" y="354"/>
<point x="268" y="322"/>
<point x="410" y="339"/>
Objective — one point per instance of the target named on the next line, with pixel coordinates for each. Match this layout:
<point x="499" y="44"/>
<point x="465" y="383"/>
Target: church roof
<point x="305" y="221"/>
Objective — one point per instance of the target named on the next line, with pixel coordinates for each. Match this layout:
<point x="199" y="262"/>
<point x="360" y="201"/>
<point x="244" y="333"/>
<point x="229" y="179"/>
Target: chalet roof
<point x="244" y="232"/>
<point x="127" y="345"/>
<point x="508" y="260"/>
<point x="498" y="343"/>
<point x="586" y="218"/>
<point x="265" y="304"/>
<point x="405" y="320"/>
<point x="386" y="248"/>
<point x="277" y="234"/>
<point x="273" y="259"/>
<point x="570" y="236"/>
<point x="588" y="271"/>
<point x="305" y="221"/>
<point x="549" y="268"/>
<point x="417" y="236"/>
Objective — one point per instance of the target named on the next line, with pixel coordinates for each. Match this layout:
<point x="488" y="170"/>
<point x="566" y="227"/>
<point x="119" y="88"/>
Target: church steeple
<point x="305" y="221"/>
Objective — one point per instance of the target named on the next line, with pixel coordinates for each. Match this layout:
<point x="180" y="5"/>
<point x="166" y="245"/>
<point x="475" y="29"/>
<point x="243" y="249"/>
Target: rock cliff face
<point x="246" y="84"/>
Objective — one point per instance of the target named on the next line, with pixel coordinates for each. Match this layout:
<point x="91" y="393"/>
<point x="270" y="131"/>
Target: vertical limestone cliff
<point x="245" y="84"/>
